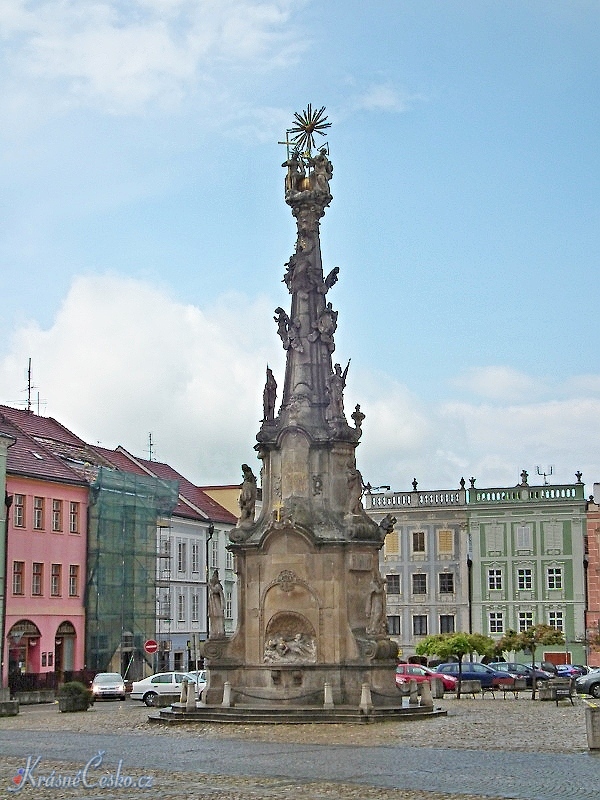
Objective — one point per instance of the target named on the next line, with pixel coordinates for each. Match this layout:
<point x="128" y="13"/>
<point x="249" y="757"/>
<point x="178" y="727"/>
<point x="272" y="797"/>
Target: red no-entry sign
<point x="151" y="646"/>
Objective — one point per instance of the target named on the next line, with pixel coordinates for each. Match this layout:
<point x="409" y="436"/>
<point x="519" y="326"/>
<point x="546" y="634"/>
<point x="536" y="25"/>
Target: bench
<point x="564" y="690"/>
<point x="514" y="685"/>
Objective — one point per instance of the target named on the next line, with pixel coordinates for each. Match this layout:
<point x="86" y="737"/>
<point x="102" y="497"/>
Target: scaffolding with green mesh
<point x="125" y="509"/>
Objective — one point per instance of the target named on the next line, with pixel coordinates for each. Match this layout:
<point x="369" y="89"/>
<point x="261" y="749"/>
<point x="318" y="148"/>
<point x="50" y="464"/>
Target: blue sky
<point x="143" y="232"/>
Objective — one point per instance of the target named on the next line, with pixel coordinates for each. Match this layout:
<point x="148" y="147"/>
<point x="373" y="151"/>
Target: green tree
<point x="528" y="642"/>
<point x="455" y="645"/>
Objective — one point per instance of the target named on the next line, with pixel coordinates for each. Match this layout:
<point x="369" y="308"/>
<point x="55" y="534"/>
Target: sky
<point x="144" y="233"/>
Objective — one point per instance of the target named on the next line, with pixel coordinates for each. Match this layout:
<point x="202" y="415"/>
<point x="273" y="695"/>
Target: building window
<point x="393" y="624"/>
<point x="228" y="560"/>
<point x="57" y="515"/>
<point x="74" y="580"/>
<point x="555" y="620"/>
<point x="195" y="557"/>
<point x="494" y="579"/>
<point x="38" y="513"/>
<point x="214" y="553"/>
<point x="55" y="580"/>
<point x="446" y="582"/>
<point x="181" y="608"/>
<point x="419" y="583"/>
<point x="445" y="542"/>
<point x="496" y="622"/>
<point x="74" y="517"/>
<point x="554" y="576"/>
<point x="37" y="578"/>
<point x="195" y="606"/>
<point x="420" y="625"/>
<point x="18" y="577"/>
<point x="524" y="579"/>
<point x="392" y="584"/>
<point x="228" y="605"/>
<point x="19" y="510"/>
<point x="446" y="623"/>
<point x="523" y="537"/>
<point x="418" y="542"/>
<point x="392" y="544"/>
<point x="525" y="621"/>
<point x="181" y="556"/>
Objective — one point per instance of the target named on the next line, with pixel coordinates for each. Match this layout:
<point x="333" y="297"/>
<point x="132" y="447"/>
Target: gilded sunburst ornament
<point x="308" y="123"/>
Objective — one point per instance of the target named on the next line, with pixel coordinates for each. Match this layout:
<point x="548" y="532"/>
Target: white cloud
<point x="124" y="359"/>
<point x="382" y="97"/>
<point x="119" y="57"/>
<point x="499" y="383"/>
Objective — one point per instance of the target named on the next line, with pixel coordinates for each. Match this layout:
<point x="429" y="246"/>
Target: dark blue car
<point x="474" y="671"/>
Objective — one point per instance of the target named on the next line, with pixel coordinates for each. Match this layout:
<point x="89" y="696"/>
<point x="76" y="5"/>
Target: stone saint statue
<point x="322" y="172"/>
<point x="335" y="385"/>
<point x="355" y="490"/>
<point x="269" y="396"/>
<point x="216" y="607"/>
<point x="375" y="607"/>
<point x="247" y="496"/>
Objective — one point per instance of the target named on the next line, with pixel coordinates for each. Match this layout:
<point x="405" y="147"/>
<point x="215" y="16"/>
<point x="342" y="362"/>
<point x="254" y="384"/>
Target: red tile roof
<point x="33" y="459"/>
<point x="63" y="455"/>
<point x="193" y="503"/>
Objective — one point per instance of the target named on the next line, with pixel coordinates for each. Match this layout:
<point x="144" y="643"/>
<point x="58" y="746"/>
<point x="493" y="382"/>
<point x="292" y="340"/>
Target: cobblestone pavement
<point x="409" y="760"/>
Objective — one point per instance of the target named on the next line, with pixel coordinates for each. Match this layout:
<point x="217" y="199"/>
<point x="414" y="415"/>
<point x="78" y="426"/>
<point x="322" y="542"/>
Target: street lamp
<point x="210" y="532"/>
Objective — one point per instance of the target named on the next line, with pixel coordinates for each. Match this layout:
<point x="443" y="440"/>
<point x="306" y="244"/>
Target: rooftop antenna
<point x="30" y="385"/>
<point x="545" y="475"/>
<point x="150" y="447"/>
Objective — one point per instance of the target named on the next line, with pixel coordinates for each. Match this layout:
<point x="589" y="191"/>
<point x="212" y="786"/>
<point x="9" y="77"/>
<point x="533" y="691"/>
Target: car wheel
<point x="595" y="690"/>
<point x="150" y="698"/>
<point x="124" y="697"/>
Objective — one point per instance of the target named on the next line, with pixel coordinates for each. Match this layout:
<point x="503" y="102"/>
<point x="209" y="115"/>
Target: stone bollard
<point x="327" y="696"/>
<point x="413" y="689"/>
<point x="190" y="702"/>
<point x="184" y="692"/>
<point x="226" y="695"/>
<point x="366" y="704"/>
<point x="437" y="688"/>
<point x="426" y="696"/>
<point x="592" y="725"/>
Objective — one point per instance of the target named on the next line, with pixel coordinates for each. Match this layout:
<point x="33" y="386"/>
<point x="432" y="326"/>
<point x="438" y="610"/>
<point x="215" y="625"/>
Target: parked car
<point x="568" y="671"/>
<point x="589" y="684"/>
<point x="161" y="683"/>
<point x="410" y="672"/>
<point x="474" y="671"/>
<point x="199" y="676"/>
<point x="521" y="671"/>
<point x="108" y="685"/>
<point x="420" y="673"/>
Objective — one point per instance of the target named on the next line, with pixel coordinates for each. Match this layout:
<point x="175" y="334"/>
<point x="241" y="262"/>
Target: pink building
<point x="44" y="624"/>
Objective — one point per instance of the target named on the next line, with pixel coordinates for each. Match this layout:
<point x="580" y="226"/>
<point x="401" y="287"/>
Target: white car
<point x="161" y="683"/>
<point x="199" y="676"/>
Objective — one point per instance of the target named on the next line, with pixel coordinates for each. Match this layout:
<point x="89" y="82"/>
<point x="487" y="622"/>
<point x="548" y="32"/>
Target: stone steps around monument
<point x="289" y="715"/>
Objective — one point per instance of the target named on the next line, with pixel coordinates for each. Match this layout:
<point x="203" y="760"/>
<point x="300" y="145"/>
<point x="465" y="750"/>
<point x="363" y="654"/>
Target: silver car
<point x="108" y="685"/>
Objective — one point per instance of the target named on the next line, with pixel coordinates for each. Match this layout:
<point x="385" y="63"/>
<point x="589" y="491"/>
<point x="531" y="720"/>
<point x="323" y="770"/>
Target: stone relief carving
<point x="325" y="327"/>
<point x="299" y="648"/>
<point x="387" y="524"/>
<point x="289" y="639"/>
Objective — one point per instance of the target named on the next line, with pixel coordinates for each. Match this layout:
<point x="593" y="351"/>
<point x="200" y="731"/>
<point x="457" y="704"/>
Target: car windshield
<point x="108" y="677"/>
